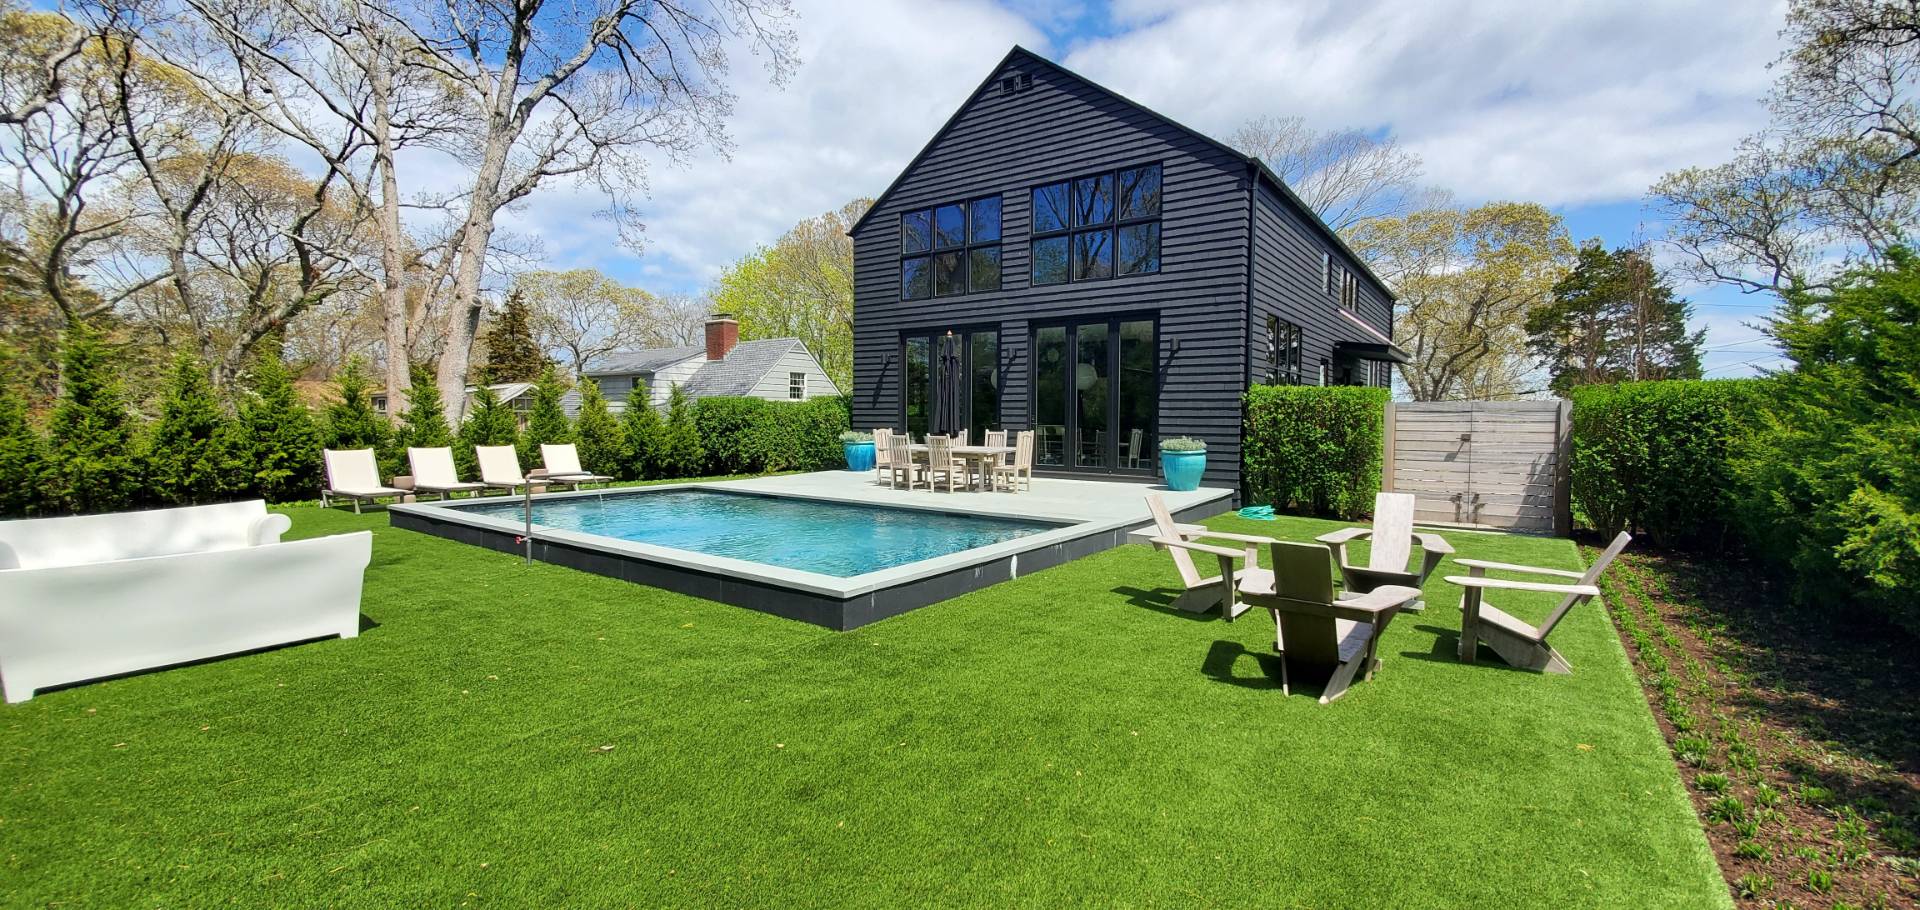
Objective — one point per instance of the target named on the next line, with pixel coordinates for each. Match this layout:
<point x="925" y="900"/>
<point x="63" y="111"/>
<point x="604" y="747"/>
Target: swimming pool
<point x="832" y="548"/>
<point x="829" y="538"/>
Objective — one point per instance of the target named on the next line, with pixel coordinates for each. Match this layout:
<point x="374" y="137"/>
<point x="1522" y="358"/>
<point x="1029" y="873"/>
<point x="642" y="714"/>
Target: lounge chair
<point x="1519" y="644"/>
<point x="1020" y="467"/>
<point x="882" y="453"/>
<point x="900" y="463"/>
<point x="354" y="474"/>
<point x="942" y="463"/>
<point x="563" y="466"/>
<point x="1312" y="626"/>
<point x="1203" y="593"/>
<point x="500" y="469"/>
<point x="1392" y="536"/>
<point x="433" y="472"/>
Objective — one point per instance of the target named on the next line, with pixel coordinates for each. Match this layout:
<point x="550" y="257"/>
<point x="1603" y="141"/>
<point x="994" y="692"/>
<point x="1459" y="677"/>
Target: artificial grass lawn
<point x="514" y="736"/>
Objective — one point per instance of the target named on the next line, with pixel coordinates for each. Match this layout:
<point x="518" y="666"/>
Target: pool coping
<point x="835" y="602"/>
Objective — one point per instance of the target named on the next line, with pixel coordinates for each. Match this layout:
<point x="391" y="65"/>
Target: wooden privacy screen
<point x="1487" y="464"/>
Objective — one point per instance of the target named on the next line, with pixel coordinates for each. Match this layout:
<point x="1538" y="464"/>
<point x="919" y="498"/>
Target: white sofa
<point x="97" y="595"/>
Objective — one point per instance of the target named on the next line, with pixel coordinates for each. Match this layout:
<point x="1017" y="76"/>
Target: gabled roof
<point x="741" y="369"/>
<point x="1254" y="164"/>
<point x="620" y="363"/>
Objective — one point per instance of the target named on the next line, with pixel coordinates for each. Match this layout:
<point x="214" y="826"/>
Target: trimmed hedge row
<point x="1315" y="449"/>
<point x="1657" y="458"/>
<point x="753" y="435"/>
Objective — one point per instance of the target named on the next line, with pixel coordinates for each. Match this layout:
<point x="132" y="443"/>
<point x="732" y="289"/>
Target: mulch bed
<point x="1797" y="734"/>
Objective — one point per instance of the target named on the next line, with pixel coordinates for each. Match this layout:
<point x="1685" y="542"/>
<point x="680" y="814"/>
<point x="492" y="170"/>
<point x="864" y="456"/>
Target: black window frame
<point x="1112" y="225"/>
<point x="1286" y="351"/>
<point x="965" y="250"/>
<point x="1071" y="326"/>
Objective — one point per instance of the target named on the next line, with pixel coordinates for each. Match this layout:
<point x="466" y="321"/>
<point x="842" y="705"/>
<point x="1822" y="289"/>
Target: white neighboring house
<point x="516" y="395"/>
<point x="776" y="369"/>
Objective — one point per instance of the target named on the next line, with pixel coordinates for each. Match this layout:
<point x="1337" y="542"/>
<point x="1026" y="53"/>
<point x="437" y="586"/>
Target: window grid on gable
<point x="950" y="249"/>
<point x="1099" y="226"/>
<point x="796" y="385"/>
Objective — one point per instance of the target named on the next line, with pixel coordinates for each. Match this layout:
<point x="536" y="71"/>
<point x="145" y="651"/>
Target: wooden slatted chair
<point x="1312" y="626"/>
<point x="1204" y="592"/>
<point x="900" y="463"/>
<point x="941" y="462"/>
<point x="1392" y="537"/>
<point x="882" y="452"/>
<point x="1519" y="644"/>
<point x="1020" y="467"/>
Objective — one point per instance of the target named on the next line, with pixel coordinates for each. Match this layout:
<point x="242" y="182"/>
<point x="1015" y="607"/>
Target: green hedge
<point x="1314" y="449"/>
<point x="752" y="435"/>
<point x="1656" y="458"/>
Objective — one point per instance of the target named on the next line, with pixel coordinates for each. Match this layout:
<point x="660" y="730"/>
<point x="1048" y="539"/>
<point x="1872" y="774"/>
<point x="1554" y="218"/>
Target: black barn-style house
<point x="1061" y="259"/>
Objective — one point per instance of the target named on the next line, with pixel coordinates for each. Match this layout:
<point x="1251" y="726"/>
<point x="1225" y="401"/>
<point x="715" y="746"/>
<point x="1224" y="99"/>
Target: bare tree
<point x="1346" y="176"/>
<point x="580" y="91"/>
<point x="682" y="319"/>
<point x="1835" y="180"/>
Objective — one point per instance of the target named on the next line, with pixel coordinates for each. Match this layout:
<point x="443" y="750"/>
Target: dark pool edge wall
<point x="838" y="613"/>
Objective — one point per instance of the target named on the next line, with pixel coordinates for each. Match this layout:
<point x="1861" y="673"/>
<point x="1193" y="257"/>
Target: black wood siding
<point x="1209" y="297"/>
<point x="1288" y="283"/>
<point x="1059" y="129"/>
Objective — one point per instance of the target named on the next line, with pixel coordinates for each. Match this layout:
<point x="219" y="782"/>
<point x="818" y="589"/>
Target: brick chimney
<point x="723" y="332"/>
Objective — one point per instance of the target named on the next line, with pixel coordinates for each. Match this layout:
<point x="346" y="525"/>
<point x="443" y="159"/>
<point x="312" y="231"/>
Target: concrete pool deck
<point x="1090" y="515"/>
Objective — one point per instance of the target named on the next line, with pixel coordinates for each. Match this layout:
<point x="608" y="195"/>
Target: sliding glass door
<point x="952" y="382"/>
<point x="1096" y="391"/>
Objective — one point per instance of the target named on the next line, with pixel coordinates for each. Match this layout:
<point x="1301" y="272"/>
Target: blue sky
<point x="1579" y="106"/>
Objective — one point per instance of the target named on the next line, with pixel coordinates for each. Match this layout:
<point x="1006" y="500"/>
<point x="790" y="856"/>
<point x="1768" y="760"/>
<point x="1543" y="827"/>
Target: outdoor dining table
<point x="979" y="459"/>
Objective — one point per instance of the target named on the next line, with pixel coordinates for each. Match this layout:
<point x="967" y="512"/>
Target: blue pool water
<point x="826" y="537"/>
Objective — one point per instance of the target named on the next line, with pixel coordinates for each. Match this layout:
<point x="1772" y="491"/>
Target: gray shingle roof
<point x="623" y="362"/>
<point x="742" y="368"/>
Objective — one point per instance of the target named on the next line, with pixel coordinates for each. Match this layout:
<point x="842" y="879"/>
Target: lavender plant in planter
<point x="1182" y="460"/>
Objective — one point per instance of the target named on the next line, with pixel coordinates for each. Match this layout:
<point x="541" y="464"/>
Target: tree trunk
<point x="393" y="287"/>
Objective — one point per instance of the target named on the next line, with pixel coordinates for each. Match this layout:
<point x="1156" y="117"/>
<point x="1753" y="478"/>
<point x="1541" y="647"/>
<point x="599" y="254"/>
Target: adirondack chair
<point x="1182" y="541"/>
<point x="1392" y="536"/>
<point x="1312" y="626"/>
<point x="1519" y="644"/>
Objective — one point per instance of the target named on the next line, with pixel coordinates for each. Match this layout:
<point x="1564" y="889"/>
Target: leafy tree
<point x="21" y="454"/>
<point x="801" y="287"/>
<point x="91" y="464"/>
<point x="192" y="454"/>
<point x="1467" y="278"/>
<point x="352" y="423"/>
<point x="513" y="355"/>
<point x="680" y="453"/>
<point x="281" y="433"/>
<point x="488" y="423"/>
<point x="424" y="426"/>
<point x="547" y="421"/>
<point x="1613" y="319"/>
<point x="587" y="315"/>
<point x="646" y="438"/>
<point x="603" y="441"/>
<point x="1833" y="480"/>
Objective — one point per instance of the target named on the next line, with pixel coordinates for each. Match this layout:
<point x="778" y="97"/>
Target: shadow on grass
<point x="1161" y="600"/>
<point x="1223" y="665"/>
<point x="1446" y="650"/>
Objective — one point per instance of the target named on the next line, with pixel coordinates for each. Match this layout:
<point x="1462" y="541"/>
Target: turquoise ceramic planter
<point x="859" y="455"/>
<point x="1183" y="469"/>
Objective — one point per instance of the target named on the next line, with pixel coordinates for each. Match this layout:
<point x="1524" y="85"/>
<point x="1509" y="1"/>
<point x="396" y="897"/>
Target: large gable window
<point x="950" y="249"/>
<point x="1095" y="227"/>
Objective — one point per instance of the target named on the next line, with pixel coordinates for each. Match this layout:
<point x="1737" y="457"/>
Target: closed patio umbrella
<point x="949" y="401"/>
